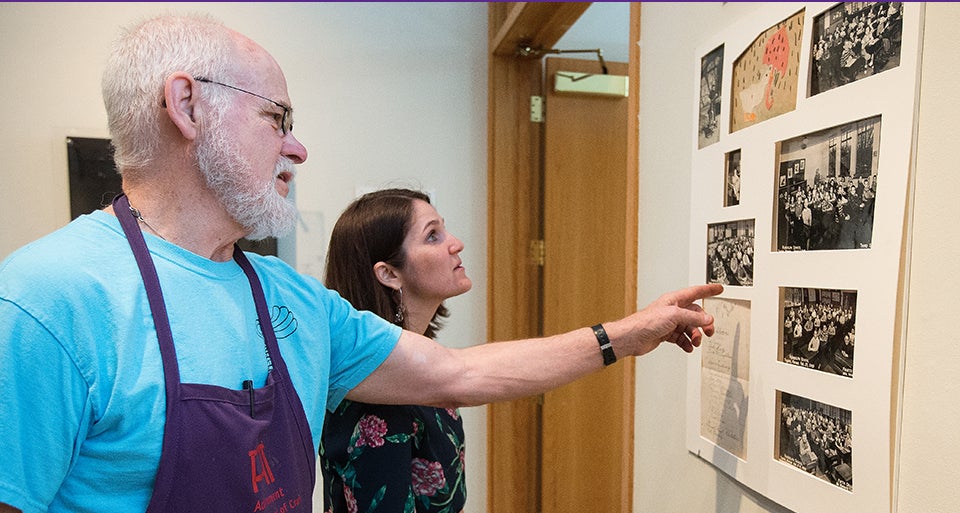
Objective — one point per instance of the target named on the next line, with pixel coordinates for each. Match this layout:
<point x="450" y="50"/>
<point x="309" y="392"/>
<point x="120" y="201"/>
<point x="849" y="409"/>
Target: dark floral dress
<point x="392" y="459"/>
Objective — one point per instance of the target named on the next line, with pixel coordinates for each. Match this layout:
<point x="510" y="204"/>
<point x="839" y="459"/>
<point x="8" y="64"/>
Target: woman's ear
<point x="179" y="101"/>
<point x="387" y="275"/>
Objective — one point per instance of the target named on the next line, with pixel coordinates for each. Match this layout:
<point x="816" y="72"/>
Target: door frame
<point x="513" y="159"/>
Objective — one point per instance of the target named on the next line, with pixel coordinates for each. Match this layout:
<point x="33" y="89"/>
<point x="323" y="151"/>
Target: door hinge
<point x="538" y="252"/>
<point x="536" y="109"/>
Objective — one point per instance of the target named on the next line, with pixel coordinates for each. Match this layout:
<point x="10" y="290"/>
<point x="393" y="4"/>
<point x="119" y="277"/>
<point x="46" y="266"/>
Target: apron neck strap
<point x="128" y="221"/>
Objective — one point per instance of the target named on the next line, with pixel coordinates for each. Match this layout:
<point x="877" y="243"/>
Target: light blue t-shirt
<point x="82" y="397"/>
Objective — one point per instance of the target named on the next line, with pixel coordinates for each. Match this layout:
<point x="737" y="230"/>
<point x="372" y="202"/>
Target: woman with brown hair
<point x="390" y="253"/>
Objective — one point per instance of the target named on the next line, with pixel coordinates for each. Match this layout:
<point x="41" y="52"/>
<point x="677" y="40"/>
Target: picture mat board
<point x="872" y="273"/>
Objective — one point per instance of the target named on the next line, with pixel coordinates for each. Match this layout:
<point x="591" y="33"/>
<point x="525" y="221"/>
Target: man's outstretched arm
<point x="420" y="371"/>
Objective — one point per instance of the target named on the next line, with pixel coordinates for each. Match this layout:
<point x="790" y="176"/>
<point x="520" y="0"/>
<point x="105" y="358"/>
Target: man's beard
<point x="258" y="207"/>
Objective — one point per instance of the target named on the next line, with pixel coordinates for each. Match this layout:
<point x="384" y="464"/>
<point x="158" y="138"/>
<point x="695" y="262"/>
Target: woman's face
<point x="433" y="270"/>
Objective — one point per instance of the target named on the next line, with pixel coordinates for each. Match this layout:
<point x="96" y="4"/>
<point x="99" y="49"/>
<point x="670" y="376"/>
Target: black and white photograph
<point x="730" y="252"/>
<point x="732" y="179"/>
<point x="711" y="78"/>
<point x="816" y="438"/>
<point x="819" y="329"/>
<point x="854" y="40"/>
<point x="826" y="188"/>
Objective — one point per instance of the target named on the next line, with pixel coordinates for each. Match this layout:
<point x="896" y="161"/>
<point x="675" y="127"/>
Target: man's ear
<point x="179" y="100"/>
<point x="387" y="275"/>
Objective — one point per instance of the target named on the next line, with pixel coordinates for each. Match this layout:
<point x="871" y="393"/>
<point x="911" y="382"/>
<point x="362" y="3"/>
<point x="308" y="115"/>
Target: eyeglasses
<point x="286" y="122"/>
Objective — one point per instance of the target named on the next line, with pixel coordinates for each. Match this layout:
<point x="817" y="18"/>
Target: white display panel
<point x="811" y="423"/>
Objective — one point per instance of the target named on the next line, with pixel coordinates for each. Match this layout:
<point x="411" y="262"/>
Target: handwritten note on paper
<point x="725" y="376"/>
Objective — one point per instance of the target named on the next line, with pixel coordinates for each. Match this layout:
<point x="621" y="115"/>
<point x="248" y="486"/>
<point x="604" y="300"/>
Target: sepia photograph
<point x="711" y="79"/>
<point x="826" y="187"/>
<point x="816" y="438"/>
<point x="730" y="252"/>
<point x="818" y="329"/>
<point x="854" y="40"/>
<point x="732" y="179"/>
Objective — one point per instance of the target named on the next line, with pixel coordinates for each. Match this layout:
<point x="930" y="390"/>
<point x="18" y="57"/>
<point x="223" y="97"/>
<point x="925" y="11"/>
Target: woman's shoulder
<point x="354" y="411"/>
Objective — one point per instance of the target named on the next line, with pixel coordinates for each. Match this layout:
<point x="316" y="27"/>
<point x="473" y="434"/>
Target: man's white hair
<point x="142" y="58"/>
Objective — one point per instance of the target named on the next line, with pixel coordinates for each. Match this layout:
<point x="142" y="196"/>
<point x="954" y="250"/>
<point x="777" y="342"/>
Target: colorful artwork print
<point x="854" y="40"/>
<point x="816" y="438"/>
<point x="765" y="77"/>
<point x="711" y="78"/>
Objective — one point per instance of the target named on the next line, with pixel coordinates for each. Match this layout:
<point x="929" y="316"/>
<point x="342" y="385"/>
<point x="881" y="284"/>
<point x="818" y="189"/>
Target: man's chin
<point x="279" y="226"/>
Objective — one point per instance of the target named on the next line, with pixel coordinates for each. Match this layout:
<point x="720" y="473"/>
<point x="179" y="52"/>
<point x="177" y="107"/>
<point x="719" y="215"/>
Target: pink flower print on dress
<point x="350" y="499"/>
<point x="372" y="429"/>
<point x="427" y="477"/>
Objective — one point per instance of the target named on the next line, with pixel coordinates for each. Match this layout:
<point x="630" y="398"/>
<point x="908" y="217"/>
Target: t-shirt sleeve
<point x="44" y="406"/>
<point x="360" y="342"/>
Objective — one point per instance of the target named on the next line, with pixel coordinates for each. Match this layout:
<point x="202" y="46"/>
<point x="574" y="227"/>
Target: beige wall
<point x="668" y="478"/>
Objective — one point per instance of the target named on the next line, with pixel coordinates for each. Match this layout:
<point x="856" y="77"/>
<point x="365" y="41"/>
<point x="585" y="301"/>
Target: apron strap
<point x="171" y="370"/>
<point x="263" y="313"/>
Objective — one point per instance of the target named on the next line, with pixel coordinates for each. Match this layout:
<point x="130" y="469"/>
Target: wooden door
<point x="516" y="481"/>
<point x="589" y="271"/>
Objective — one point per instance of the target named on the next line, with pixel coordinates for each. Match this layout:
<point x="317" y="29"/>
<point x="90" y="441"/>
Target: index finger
<point x="696" y="320"/>
<point x="684" y="297"/>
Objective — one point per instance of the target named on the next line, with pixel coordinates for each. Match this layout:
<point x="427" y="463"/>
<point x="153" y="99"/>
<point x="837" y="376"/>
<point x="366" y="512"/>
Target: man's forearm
<point x="420" y="371"/>
<point x="502" y="371"/>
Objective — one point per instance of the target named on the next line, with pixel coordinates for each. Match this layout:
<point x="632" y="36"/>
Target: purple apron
<point x="224" y="450"/>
